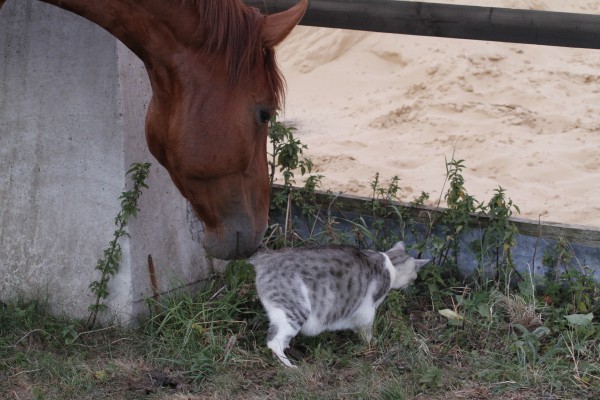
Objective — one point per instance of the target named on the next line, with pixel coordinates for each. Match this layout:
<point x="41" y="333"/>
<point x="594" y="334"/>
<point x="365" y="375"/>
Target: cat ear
<point x="421" y="263"/>
<point x="398" y="246"/>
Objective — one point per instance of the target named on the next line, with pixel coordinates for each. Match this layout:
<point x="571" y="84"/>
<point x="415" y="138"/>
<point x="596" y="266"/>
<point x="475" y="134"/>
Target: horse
<point x="215" y="86"/>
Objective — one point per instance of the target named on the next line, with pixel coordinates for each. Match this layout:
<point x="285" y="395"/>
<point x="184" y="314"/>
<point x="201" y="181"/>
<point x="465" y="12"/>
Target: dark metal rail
<point x="450" y="21"/>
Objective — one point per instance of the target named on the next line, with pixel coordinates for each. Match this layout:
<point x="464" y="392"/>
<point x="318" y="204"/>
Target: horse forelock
<point x="234" y="31"/>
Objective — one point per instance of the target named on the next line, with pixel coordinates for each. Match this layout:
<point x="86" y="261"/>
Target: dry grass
<point x="517" y="311"/>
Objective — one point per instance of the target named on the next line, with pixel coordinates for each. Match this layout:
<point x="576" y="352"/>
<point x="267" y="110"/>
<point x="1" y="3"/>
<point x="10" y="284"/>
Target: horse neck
<point x="131" y="20"/>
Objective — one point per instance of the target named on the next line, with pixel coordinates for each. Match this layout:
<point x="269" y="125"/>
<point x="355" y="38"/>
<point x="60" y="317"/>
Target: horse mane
<point x="234" y="31"/>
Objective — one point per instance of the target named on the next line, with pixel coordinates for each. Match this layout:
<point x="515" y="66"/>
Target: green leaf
<point x="483" y="310"/>
<point x="541" y="331"/>
<point x="580" y="319"/>
<point x="450" y="314"/>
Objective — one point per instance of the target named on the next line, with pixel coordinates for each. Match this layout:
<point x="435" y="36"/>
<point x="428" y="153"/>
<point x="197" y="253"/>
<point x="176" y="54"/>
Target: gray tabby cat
<point x="311" y="290"/>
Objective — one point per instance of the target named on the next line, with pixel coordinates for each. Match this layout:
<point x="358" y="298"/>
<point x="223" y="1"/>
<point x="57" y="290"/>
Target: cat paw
<point x="284" y="360"/>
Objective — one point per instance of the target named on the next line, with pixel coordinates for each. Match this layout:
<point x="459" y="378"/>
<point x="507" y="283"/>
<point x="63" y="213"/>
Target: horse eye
<point x="265" y="116"/>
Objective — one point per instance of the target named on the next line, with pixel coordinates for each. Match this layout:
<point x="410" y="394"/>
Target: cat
<point x="316" y="289"/>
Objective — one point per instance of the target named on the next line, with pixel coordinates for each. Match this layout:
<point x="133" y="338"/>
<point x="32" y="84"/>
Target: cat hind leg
<point x="280" y="334"/>
<point x="366" y="334"/>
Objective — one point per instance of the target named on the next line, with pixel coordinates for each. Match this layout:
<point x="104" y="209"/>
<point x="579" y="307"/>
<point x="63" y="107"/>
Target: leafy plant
<point x="287" y="154"/>
<point x="494" y="249"/>
<point x="568" y="284"/>
<point x="456" y="220"/>
<point x="109" y="264"/>
<point x="388" y="221"/>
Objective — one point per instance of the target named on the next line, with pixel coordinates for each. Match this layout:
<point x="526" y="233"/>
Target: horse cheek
<point x="260" y="176"/>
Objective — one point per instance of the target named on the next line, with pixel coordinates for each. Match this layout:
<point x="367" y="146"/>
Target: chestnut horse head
<point x="215" y="85"/>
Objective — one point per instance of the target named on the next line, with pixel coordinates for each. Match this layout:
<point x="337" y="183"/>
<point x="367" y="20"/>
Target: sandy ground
<point x="522" y="117"/>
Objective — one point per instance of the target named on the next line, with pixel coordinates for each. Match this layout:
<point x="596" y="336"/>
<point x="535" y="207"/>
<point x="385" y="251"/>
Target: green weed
<point x="108" y="265"/>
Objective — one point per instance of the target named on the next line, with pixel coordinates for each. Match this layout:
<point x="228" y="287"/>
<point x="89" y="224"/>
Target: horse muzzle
<point x="234" y="243"/>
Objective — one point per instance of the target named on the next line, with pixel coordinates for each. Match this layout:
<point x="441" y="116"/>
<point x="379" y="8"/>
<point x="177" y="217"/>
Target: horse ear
<point x="277" y="26"/>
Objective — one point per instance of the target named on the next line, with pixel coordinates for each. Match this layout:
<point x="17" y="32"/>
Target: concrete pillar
<point x="72" y="107"/>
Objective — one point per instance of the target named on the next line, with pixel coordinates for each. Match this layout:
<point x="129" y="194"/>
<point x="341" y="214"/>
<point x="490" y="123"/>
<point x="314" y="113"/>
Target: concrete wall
<point x="72" y="109"/>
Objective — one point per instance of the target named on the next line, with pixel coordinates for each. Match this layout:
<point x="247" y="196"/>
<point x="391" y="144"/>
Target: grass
<point x="40" y="360"/>
<point x="211" y="345"/>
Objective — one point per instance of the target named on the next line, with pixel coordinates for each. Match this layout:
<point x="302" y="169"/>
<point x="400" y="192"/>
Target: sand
<point x="522" y="117"/>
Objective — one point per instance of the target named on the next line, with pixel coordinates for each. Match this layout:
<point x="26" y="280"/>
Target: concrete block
<point x="72" y="109"/>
